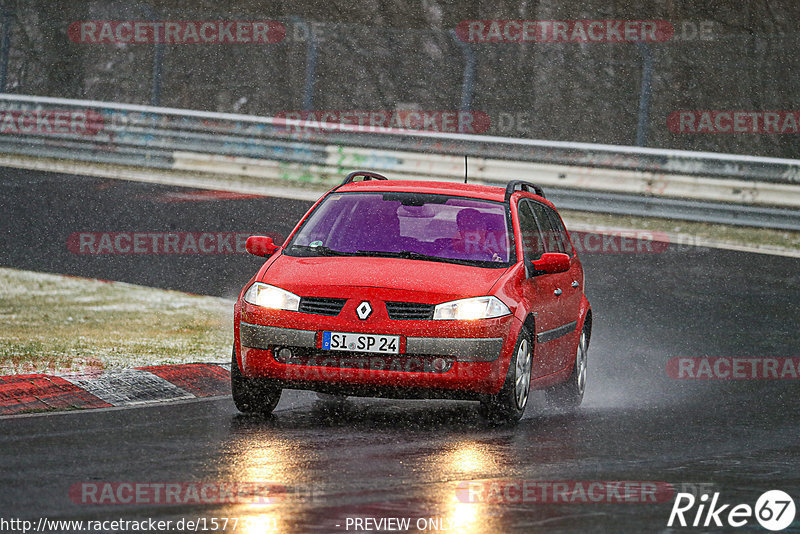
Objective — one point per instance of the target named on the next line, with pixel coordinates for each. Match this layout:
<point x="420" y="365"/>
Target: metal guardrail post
<point x="155" y="91"/>
<point x="158" y="58"/>
<point x="468" y="83"/>
<point x="311" y="69"/>
<point x="5" y="44"/>
<point x="644" y="94"/>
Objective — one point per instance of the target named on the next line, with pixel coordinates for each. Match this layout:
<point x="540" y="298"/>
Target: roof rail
<point x="520" y="185"/>
<point x="366" y="174"/>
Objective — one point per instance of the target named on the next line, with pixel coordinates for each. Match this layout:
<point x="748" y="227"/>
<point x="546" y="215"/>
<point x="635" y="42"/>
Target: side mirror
<point x="551" y="263"/>
<point x="259" y="245"/>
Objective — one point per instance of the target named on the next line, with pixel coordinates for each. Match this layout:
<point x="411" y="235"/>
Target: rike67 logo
<point x="774" y="510"/>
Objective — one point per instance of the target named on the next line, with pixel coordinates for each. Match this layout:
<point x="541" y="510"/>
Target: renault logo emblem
<point x="364" y="310"/>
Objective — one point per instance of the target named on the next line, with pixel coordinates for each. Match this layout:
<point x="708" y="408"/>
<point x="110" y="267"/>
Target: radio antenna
<point x="465" y="168"/>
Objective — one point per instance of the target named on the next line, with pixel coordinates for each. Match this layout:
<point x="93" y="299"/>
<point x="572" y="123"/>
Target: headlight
<point x="470" y="309"/>
<point x="272" y="297"/>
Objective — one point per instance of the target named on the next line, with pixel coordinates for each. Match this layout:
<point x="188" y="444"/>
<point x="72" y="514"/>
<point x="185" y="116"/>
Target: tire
<point x="252" y="395"/>
<point x="569" y="395"/>
<point x="509" y="404"/>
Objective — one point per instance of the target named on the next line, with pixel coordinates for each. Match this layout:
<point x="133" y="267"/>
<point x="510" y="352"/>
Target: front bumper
<point x="461" y="349"/>
<point x="450" y="359"/>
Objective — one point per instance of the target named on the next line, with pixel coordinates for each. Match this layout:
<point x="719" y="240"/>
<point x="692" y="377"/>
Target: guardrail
<point x="732" y="189"/>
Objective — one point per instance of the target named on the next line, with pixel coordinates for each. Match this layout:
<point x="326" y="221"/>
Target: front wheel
<point x="569" y="395"/>
<point x="252" y="395"/>
<point x="509" y="404"/>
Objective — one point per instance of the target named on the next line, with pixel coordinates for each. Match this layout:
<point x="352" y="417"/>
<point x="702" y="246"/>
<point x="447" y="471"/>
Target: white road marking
<point x="130" y="386"/>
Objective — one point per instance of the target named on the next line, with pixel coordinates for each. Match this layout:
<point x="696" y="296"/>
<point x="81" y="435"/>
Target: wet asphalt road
<point x="406" y="459"/>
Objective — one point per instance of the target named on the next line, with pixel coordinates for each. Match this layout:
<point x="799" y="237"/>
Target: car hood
<point x="325" y="276"/>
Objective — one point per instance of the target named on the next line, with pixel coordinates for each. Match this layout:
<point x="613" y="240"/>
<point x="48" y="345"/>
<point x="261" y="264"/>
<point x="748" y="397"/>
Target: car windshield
<point x="407" y="225"/>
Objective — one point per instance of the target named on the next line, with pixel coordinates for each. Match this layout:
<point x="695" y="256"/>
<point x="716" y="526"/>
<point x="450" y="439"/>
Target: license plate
<point x="361" y="342"/>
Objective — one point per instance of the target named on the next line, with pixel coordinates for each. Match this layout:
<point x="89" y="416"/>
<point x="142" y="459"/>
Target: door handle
<point x="557" y="292"/>
<point x="575" y="283"/>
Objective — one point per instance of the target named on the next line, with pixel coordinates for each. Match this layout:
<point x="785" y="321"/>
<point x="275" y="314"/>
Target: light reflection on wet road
<point x="376" y="458"/>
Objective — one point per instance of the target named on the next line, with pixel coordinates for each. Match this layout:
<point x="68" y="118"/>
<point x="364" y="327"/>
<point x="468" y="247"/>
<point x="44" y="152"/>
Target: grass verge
<point x="54" y="324"/>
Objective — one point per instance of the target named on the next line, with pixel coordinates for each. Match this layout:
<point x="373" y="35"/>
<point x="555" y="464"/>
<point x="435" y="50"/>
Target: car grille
<point x="409" y="311"/>
<point x="366" y="361"/>
<point x="321" y="305"/>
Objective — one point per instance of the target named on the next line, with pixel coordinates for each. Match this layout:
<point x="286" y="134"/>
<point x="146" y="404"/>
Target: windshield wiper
<point x="402" y="254"/>
<point x="409" y="255"/>
<point x="319" y="249"/>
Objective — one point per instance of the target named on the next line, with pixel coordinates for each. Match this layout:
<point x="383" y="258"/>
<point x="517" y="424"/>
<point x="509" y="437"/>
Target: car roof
<point x="485" y="192"/>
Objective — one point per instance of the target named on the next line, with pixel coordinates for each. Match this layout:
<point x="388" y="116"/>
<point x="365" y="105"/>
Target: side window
<point x="558" y="226"/>
<point x="553" y="240"/>
<point x="532" y="243"/>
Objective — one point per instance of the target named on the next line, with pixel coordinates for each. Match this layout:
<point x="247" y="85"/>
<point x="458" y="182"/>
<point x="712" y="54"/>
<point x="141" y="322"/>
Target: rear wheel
<point x="252" y="395"/>
<point x="509" y="404"/>
<point x="569" y="395"/>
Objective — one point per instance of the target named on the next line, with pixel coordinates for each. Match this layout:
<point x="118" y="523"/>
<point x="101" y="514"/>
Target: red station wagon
<point x="412" y="289"/>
